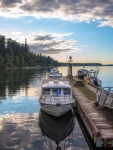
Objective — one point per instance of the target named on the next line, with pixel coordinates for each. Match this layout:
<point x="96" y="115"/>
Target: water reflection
<point x="56" y="132"/>
<point x="20" y="89"/>
<point x="20" y="132"/>
<point x="12" y="81"/>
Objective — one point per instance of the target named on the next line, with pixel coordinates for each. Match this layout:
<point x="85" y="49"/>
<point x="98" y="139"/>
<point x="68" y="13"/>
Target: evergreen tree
<point x="19" y="55"/>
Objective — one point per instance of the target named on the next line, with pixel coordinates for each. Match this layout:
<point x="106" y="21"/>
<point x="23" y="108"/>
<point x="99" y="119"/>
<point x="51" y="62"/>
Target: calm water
<point x="23" y="126"/>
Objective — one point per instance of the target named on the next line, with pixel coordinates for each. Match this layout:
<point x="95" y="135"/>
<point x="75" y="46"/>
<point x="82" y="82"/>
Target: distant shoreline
<point x="107" y="65"/>
<point x="85" y="64"/>
<point x="92" y="65"/>
<point x="37" y="67"/>
<point x="64" y="64"/>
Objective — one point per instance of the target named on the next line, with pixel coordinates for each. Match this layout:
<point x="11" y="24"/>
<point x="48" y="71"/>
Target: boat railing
<point x="66" y="98"/>
<point x="104" y="96"/>
<point x="70" y="98"/>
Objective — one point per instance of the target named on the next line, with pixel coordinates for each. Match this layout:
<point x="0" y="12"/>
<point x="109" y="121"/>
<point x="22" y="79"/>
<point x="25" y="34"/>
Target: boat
<point x="54" y="70"/>
<point x="54" y="73"/>
<point x="81" y="73"/>
<point x="92" y="76"/>
<point x="56" y="97"/>
<point x="56" y="132"/>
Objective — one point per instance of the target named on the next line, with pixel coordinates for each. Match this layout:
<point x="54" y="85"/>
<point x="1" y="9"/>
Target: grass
<point x="84" y="90"/>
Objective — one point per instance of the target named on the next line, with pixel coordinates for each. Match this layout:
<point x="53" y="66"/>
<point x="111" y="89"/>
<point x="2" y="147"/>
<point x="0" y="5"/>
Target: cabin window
<point x="92" y="74"/>
<point x="67" y="91"/>
<point x="56" y="92"/>
<point x="46" y="92"/>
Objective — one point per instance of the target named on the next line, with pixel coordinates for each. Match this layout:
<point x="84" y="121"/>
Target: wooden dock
<point x="97" y="120"/>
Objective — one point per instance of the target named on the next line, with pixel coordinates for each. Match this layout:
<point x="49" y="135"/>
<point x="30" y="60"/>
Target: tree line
<point x="81" y="64"/>
<point x="14" y="54"/>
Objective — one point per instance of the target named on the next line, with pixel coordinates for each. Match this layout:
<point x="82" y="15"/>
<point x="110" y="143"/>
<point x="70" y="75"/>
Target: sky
<point x="82" y="29"/>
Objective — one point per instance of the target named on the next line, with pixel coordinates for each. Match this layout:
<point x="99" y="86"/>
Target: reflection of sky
<point x="23" y="105"/>
<point x="24" y="100"/>
<point x="22" y="132"/>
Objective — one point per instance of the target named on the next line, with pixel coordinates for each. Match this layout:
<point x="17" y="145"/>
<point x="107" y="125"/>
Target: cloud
<point x="15" y="33"/>
<point x="72" y="10"/>
<point x="52" y="51"/>
<point x="47" y="43"/>
<point x="43" y="37"/>
<point x="106" y="23"/>
<point x="9" y="3"/>
<point x="50" y="43"/>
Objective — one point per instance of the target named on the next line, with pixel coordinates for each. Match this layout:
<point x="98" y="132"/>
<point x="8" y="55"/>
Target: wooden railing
<point x="104" y="96"/>
<point x="67" y="98"/>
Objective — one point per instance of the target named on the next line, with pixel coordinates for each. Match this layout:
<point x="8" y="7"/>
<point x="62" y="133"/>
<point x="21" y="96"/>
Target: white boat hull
<point x="56" y="110"/>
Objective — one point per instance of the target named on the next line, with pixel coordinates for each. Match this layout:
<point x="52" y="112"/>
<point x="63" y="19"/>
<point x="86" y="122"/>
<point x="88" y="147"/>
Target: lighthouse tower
<point x="70" y="66"/>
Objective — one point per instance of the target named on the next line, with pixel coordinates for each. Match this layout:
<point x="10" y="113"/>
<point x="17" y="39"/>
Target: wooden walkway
<point x="98" y="120"/>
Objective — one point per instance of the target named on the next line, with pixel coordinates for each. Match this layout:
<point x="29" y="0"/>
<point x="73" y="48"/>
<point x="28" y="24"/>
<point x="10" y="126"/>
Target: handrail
<point x="50" y="98"/>
<point x="61" y="96"/>
<point x="45" y="98"/>
<point x="65" y="99"/>
<point x="104" y="96"/>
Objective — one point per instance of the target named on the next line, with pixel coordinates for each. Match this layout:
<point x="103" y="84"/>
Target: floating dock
<point x="97" y="120"/>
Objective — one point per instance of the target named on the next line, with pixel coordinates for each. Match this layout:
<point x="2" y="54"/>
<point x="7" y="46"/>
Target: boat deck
<point x="56" y="82"/>
<point x="98" y="120"/>
<point x="52" y="79"/>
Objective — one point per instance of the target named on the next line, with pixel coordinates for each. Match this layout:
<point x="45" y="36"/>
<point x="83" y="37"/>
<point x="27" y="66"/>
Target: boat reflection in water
<point x="56" y="131"/>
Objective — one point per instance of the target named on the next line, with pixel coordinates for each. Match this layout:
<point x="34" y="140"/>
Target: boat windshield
<point x="67" y="91"/>
<point x="56" y="92"/>
<point x="46" y="92"/>
<point x="92" y="74"/>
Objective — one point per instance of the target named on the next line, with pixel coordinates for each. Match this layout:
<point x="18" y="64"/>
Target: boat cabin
<point x="81" y="73"/>
<point x="93" y="73"/>
<point x="56" y="90"/>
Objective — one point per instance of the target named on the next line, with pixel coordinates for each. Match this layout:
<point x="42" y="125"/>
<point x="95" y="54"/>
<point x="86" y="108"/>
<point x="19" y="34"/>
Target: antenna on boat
<point x="98" y="69"/>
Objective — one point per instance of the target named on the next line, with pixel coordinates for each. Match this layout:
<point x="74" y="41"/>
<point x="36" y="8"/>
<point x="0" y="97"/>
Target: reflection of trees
<point x="13" y="80"/>
<point x="20" y="131"/>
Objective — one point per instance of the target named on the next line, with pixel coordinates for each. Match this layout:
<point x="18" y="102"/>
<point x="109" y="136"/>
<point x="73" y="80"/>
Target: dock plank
<point x="99" y="119"/>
